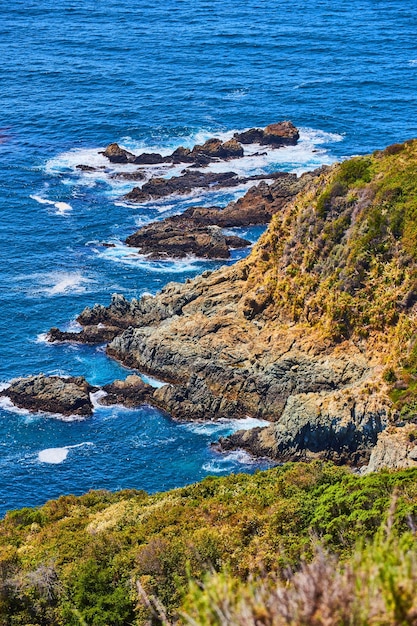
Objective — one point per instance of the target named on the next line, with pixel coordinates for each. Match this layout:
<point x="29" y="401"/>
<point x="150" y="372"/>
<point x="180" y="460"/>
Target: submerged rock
<point x="53" y="394"/>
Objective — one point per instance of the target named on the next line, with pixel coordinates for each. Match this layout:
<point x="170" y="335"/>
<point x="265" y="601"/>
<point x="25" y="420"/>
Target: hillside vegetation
<point x="83" y="560"/>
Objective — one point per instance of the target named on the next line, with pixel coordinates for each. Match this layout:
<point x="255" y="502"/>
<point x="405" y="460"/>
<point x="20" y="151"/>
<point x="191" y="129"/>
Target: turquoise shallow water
<point x="76" y="76"/>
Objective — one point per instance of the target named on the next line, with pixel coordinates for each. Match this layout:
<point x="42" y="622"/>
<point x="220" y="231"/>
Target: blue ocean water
<point x="75" y="76"/>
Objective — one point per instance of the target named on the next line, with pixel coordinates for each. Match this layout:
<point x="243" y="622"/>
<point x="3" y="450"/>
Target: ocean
<point x="76" y="76"/>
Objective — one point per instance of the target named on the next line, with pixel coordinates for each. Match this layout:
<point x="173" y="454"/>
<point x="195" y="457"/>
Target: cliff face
<point x="315" y="330"/>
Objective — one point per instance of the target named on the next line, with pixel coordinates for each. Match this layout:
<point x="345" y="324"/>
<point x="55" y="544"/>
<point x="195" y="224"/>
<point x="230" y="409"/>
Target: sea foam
<point x="58" y="455"/>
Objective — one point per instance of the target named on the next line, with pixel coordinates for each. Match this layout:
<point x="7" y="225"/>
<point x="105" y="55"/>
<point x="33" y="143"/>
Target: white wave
<point x="154" y="382"/>
<point x="236" y="94"/>
<point x="130" y="256"/>
<point x="58" y="455"/>
<point x="412" y="62"/>
<point x="42" y="338"/>
<point x="41" y="200"/>
<point x="4" y="385"/>
<point x="63" y="207"/>
<point x="222" y="425"/>
<point x="226" y="462"/>
<point x="96" y="397"/>
<point x="53" y="455"/>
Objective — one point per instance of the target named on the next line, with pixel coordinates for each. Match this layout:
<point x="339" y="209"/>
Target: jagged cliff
<point x="314" y="331"/>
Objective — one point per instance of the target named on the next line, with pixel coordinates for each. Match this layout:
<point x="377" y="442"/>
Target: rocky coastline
<point x="264" y="338"/>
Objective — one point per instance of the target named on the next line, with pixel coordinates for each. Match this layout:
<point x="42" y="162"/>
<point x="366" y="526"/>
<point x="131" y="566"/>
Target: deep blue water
<point x="75" y="76"/>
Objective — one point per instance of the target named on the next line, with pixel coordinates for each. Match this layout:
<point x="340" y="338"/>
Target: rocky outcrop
<point x="281" y="134"/>
<point x="165" y="240"/>
<point x="337" y="426"/>
<point x="195" y="231"/>
<point x="161" y="187"/>
<point x="131" y="392"/>
<point x="52" y="394"/>
<point x="396" y="448"/>
<point x="116" y="154"/>
<point x="311" y="332"/>
<point x="214" y="149"/>
<point x="88" y="335"/>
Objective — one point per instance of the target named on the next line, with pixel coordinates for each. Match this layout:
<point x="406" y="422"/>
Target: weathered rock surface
<point x="53" y="394"/>
<point x="161" y="187"/>
<point x="396" y="448"/>
<point x="89" y="334"/>
<point x="281" y="134"/>
<point x="131" y="392"/>
<point x="116" y="154"/>
<point x="166" y="240"/>
<point x="339" y="426"/>
<point x="192" y="232"/>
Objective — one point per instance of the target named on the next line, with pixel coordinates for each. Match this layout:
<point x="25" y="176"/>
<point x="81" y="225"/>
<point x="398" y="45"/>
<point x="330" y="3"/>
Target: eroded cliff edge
<point x="314" y="331"/>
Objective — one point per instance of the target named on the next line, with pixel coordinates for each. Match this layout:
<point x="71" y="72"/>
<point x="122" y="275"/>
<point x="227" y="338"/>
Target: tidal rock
<point x="162" y="187"/>
<point x="88" y="335"/>
<point x="276" y="135"/>
<point x="149" y="158"/>
<point x="281" y="134"/>
<point x="181" y="155"/>
<point x="86" y="168"/>
<point x="53" y="394"/>
<point x="131" y="392"/>
<point x="166" y="240"/>
<point x="116" y="154"/>
<point x="217" y="149"/>
<point x="253" y="135"/>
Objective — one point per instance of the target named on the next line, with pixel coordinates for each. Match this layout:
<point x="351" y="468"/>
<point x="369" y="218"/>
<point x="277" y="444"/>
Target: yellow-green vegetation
<point x="343" y="260"/>
<point x="344" y="255"/>
<point x="82" y="560"/>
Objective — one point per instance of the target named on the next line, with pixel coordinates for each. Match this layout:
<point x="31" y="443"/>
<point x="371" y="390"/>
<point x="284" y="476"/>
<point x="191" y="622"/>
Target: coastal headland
<point x="314" y="331"/>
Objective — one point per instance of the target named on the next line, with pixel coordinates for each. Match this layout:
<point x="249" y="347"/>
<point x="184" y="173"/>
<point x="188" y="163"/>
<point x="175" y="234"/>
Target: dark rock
<point x="282" y="134"/>
<point x="131" y="392"/>
<point x="166" y="240"/>
<point x="116" y="154"/>
<point x="88" y="335"/>
<point x="53" y="394"/>
<point x="161" y="187"/>
<point x="86" y="168"/>
<point x="181" y="155"/>
<point x="216" y="149"/>
<point x="253" y="135"/>
<point x="138" y="175"/>
<point x="149" y="158"/>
